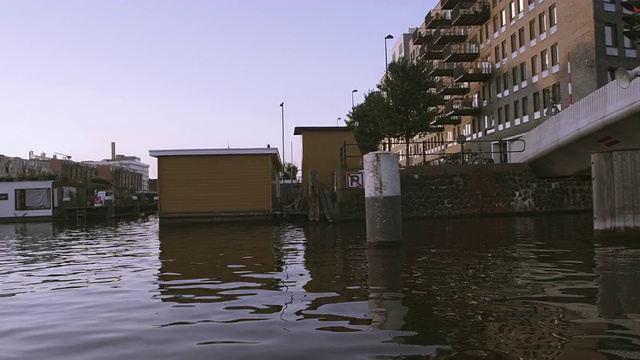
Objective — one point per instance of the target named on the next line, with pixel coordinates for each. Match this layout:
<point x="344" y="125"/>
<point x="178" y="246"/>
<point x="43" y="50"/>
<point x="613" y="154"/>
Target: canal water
<point x="486" y="288"/>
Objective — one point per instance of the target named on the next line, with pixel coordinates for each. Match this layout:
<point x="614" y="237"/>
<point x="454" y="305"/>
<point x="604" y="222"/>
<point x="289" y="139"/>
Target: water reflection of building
<point x="207" y="263"/>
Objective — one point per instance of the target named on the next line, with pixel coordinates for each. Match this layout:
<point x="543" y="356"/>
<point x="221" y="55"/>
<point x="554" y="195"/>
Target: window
<point x="512" y="11"/>
<point x="531" y="2"/>
<point x="542" y="22"/>
<point x="611" y="35"/>
<point x="500" y="117"/>
<point x="611" y="74"/>
<point x="514" y="43"/>
<point x="516" y="109"/>
<point x="523" y="71"/>
<point x="534" y="65"/>
<point x="504" y="49"/>
<point x="544" y="60"/>
<point x="33" y="199"/>
<point x="555" y="93"/>
<point x="497" y="49"/>
<point x="514" y="75"/>
<point x="546" y="98"/>
<point x="503" y="18"/>
<point x="505" y="81"/>
<point x="536" y="101"/>
<point x="486" y="29"/>
<point x="553" y="16"/>
<point x="498" y="86"/>
<point x="555" y="55"/>
<point x="496" y="26"/>
<point x="525" y="106"/>
<point x="4" y="197"/>
<point x="532" y="29"/>
<point x="521" y="36"/>
<point x="520" y="6"/>
<point x="507" y="113"/>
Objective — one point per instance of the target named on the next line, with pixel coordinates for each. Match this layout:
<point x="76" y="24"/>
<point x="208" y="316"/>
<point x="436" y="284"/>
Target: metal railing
<point x="431" y="152"/>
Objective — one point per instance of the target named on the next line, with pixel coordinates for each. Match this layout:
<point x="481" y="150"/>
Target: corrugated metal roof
<point x="197" y="152"/>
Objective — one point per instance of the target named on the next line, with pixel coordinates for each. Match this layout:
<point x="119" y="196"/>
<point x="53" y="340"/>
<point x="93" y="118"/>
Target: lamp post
<point x="282" y="106"/>
<point x="337" y="121"/>
<point x="386" y="62"/>
<point x="352" y="102"/>
<point x="386" y="66"/>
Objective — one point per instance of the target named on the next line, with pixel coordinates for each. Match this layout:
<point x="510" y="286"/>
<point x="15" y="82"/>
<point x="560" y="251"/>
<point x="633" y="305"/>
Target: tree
<point x="289" y="171"/>
<point x="411" y="106"/>
<point x="368" y="121"/>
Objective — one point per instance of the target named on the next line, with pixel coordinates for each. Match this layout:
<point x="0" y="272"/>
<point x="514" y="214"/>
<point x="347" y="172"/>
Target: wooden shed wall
<point x="214" y="184"/>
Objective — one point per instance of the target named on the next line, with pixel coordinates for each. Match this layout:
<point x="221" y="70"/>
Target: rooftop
<point x="299" y="129"/>
<point x="198" y="152"/>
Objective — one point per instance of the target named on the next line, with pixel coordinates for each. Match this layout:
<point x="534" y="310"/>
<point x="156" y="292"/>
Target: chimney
<point x="113" y="150"/>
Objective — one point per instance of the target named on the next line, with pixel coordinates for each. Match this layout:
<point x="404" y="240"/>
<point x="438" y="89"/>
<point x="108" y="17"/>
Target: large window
<point x="555" y="93"/>
<point x="516" y="109"/>
<point x="546" y="98"/>
<point x="503" y="17"/>
<point x="523" y="71"/>
<point x="611" y="35"/>
<point x="504" y="49"/>
<point x="536" y="101"/>
<point x="514" y="44"/>
<point x="512" y="11"/>
<point x="505" y="81"/>
<point x="534" y="65"/>
<point x="514" y="76"/>
<point x="496" y="25"/>
<point x="521" y="36"/>
<point x="555" y="55"/>
<point x="507" y="113"/>
<point x="532" y="29"/>
<point x="525" y="106"/>
<point x="553" y="15"/>
<point x="544" y="60"/>
<point x="542" y="22"/>
<point x="33" y="199"/>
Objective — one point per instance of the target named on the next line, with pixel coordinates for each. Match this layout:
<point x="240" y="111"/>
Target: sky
<point x="76" y="75"/>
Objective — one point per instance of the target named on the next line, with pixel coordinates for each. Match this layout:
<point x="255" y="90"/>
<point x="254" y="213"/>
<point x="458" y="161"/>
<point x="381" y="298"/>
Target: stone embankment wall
<point x="491" y="189"/>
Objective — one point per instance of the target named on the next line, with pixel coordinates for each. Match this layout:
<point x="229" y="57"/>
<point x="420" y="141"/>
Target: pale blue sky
<point x="76" y="75"/>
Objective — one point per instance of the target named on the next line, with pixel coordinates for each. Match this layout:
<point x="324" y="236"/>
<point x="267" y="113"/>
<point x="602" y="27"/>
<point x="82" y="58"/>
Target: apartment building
<point x="504" y="66"/>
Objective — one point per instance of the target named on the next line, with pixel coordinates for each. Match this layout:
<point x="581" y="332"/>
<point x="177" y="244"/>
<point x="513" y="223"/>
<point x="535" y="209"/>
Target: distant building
<point x="120" y="163"/>
<point x="402" y="48"/>
<point x="15" y="167"/>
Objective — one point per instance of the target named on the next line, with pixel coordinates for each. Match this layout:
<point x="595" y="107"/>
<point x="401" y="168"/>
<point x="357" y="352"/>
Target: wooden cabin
<point x="218" y="184"/>
<point x="321" y="152"/>
<point x="26" y="200"/>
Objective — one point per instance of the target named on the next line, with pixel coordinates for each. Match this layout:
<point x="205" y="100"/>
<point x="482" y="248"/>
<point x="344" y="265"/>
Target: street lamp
<point x="337" y="121"/>
<point x="352" y="102"/>
<point x="282" y="106"/>
<point x="386" y="62"/>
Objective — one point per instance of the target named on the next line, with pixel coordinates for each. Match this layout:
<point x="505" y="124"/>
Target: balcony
<point x="434" y="128"/>
<point x="450" y="4"/>
<point x="443" y="36"/>
<point x="476" y="14"/>
<point x="442" y="68"/>
<point x="440" y="100"/>
<point x="479" y="71"/>
<point x="451" y="88"/>
<point x="461" y="52"/>
<point x="422" y="36"/>
<point x="448" y="120"/>
<point x="437" y="18"/>
<point x="430" y="52"/>
<point x="462" y="107"/>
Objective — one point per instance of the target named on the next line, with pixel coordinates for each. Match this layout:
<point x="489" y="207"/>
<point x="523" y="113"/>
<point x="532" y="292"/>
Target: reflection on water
<point x="521" y="288"/>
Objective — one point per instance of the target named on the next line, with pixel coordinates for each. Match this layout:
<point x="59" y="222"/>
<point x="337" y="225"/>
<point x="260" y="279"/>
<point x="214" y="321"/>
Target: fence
<point x="439" y="153"/>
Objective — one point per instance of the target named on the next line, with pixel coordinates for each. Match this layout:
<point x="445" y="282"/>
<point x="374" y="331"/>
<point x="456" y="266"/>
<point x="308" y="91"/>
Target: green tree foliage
<point x="411" y="107"/>
<point x="289" y="171"/>
<point x="368" y="121"/>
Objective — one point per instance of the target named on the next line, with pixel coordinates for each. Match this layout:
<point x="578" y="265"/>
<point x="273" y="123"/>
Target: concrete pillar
<point x="616" y="191"/>
<point x="382" y="198"/>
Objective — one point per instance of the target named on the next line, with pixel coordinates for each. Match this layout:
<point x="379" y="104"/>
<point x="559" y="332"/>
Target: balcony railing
<point x="422" y="36"/>
<point x="445" y="87"/>
<point x="443" y="35"/>
<point x="462" y="107"/>
<point x="450" y="4"/>
<point x="461" y="52"/>
<point x="430" y="52"/>
<point x="478" y="71"/>
<point x="448" y="120"/>
<point x="436" y="18"/>
<point x="477" y="13"/>
<point x="442" y="68"/>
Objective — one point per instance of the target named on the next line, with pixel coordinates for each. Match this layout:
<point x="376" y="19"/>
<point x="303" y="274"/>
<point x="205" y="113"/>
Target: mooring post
<point x="616" y="191"/>
<point x="382" y="198"/>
